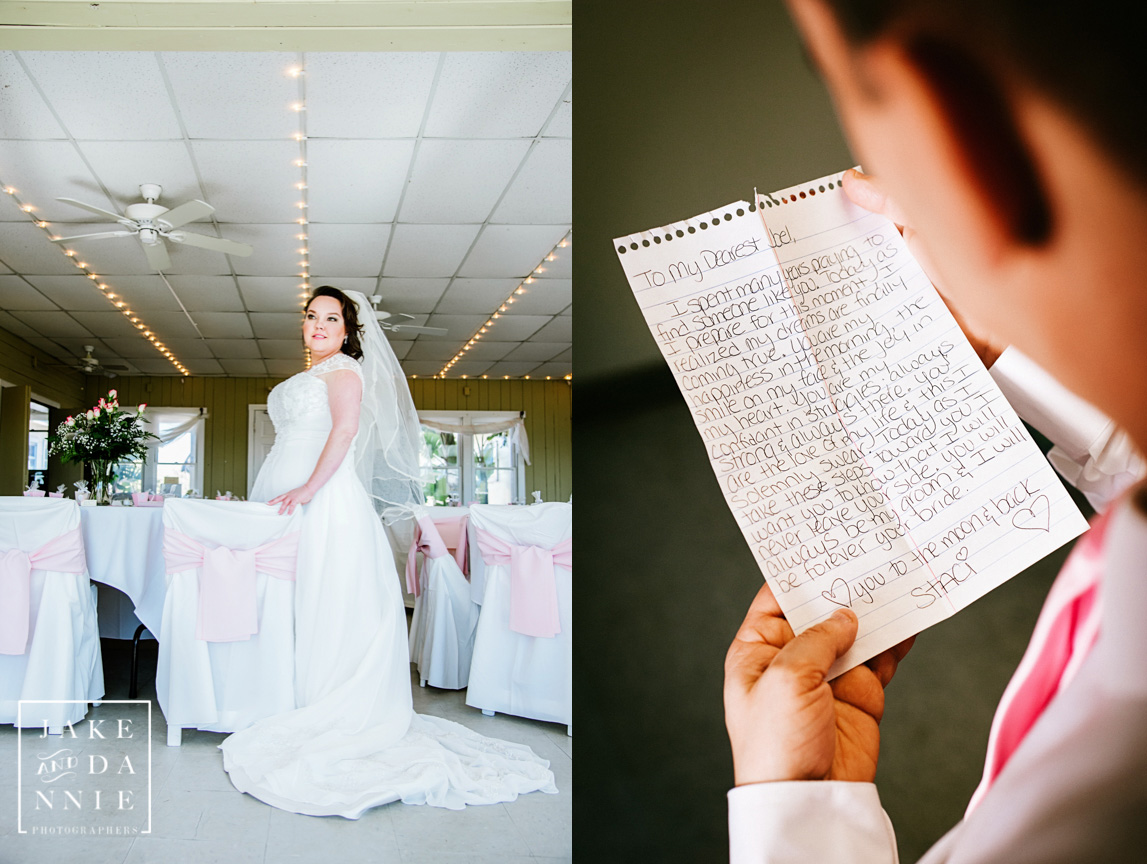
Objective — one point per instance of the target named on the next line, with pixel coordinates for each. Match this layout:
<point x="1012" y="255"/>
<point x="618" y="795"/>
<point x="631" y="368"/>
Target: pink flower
<point x="95" y="412"/>
<point x="142" y="405"/>
<point x="70" y="421"/>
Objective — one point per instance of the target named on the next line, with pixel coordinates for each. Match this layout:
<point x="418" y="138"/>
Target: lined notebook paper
<point x="868" y="457"/>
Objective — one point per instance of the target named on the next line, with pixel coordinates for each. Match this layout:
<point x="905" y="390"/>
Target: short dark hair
<point x="1088" y="59"/>
<point x="353" y="344"/>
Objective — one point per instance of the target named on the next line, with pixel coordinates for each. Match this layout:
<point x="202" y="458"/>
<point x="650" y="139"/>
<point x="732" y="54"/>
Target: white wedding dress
<point x="355" y="741"/>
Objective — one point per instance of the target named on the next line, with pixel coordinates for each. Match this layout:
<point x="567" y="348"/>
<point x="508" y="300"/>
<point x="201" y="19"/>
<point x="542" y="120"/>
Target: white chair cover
<point x="442" y="627"/>
<point x="526" y="676"/>
<point x="63" y="660"/>
<point x="226" y="686"/>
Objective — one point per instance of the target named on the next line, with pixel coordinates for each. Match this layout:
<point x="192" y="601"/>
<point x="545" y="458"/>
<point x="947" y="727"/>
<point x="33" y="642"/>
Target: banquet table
<point x="124" y="549"/>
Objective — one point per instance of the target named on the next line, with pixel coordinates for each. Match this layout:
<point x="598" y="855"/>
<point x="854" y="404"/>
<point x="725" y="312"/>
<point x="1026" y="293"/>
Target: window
<point x="462" y="465"/>
<point x="174" y="464"/>
<point x="38" y="438"/>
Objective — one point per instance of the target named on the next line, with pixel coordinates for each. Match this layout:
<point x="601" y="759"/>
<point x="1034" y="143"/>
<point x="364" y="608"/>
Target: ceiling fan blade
<point x="93" y="236"/>
<point x="116" y="217"/>
<point x="393" y="316"/>
<point x="189" y="211"/>
<point x="437" y="331"/>
<point x="215" y="244"/>
<point x="157" y="256"/>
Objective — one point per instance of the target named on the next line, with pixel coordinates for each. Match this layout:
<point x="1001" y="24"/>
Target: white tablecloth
<point x="124" y="548"/>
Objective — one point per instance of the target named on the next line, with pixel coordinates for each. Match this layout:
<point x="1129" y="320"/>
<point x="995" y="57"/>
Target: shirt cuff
<point x="1090" y="452"/>
<point x="799" y="822"/>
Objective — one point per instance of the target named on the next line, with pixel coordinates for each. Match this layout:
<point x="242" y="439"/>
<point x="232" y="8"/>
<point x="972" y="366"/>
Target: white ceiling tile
<point x="356" y="181"/>
<point x="362" y="284"/>
<point x="427" y="250"/>
<point x="132" y="348"/>
<point x="518" y="328"/>
<point x="561" y="267"/>
<point x="281" y="349"/>
<point x="511" y="250"/>
<point x="10" y="207"/>
<point x="556" y="370"/>
<point x="4" y="268"/>
<point x="188" y="349"/>
<point x="104" y="255"/>
<point x="106" y="324"/>
<point x="367" y="95"/>
<point x="497" y="94"/>
<point x="423" y="349"/>
<point x="258" y="93"/>
<point x="469" y="368"/>
<point x="244" y="367"/>
<point x="73" y="293"/>
<point x="565" y="357"/>
<point x="426" y="368"/>
<point x="78" y="347"/>
<point x="543" y="190"/>
<point x="42" y="171"/>
<point x="270" y="293"/>
<point x="276" y="325"/>
<point x="284" y="368"/>
<point x="561" y="124"/>
<point x="123" y="165"/>
<point x="158" y="366"/>
<point x="249" y="181"/>
<point x="411" y="295"/>
<point x="543" y="297"/>
<point x="560" y="329"/>
<point x="105" y="95"/>
<point x="23" y="113"/>
<point x="476" y="296"/>
<point x="275" y="250"/>
<point x="235" y="349"/>
<point x="460" y="181"/>
<point x="484" y="350"/>
<point x="56" y="323"/>
<point x="400" y="347"/>
<point x="17" y="327"/>
<point x="223" y="325"/>
<point x="15" y="293"/>
<point x="203" y="366"/>
<point x="142" y="294"/>
<point x="174" y="325"/>
<point x="513" y="368"/>
<point x="348" y="250"/>
<point x="458" y="327"/>
<point x="206" y="293"/>
<point x="536" y="351"/>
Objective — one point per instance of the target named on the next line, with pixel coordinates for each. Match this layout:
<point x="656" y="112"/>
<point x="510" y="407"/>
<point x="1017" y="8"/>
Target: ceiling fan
<point x="393" y="320"/>
<point x="89" y="365"/>
<point x="153" y="223"/>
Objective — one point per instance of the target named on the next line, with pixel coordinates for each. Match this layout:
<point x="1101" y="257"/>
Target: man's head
<point x="1016" y="160"/>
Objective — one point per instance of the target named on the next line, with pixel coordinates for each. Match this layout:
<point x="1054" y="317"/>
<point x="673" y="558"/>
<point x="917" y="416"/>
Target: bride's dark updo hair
<point x="353" y="345"/>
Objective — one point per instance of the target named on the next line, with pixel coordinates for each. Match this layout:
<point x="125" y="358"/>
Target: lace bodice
<point x="300" y="405"/>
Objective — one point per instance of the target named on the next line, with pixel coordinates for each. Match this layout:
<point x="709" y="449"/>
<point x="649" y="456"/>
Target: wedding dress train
<point x="355" y="742"/>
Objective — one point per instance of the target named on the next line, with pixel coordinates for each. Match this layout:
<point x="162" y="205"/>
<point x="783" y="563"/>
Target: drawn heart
<point x="830" y="594"/>
<point x="1037" y="517"/>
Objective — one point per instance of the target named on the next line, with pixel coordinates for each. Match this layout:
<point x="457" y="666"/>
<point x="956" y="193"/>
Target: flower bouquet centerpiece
<point x="101" y="437"/>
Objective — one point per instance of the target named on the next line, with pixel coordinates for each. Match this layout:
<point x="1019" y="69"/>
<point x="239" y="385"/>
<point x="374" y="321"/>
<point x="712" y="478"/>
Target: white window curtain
<point x="169" y="434"/>
<point x="481" y="423"/>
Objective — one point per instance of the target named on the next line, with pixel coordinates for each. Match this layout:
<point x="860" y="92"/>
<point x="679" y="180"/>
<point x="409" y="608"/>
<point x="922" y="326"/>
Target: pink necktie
<point x="63" y="554"/>
<point x="228" y="595"/>
<point x="533" y="588"/>
<point x="1067" y="628"/>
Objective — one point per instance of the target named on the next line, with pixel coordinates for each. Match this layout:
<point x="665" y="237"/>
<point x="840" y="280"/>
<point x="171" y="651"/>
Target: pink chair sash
<point x="533" y="588"/>
<point x="228" y="596"/>
<point x="63" y="554"/>
<point x="1067" y="628"/>
<point x="433" y="538"/>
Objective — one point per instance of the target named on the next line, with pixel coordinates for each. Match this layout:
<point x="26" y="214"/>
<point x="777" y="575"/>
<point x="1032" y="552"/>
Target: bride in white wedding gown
<point x="354" y="742"/>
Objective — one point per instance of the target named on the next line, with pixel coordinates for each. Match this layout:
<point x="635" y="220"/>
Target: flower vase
<point x="103" y="480"/>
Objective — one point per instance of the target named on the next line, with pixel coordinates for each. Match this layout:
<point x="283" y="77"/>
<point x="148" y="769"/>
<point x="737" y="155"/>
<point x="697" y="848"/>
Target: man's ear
<point x="904" y="97"/>
<point x="986" y="138"/>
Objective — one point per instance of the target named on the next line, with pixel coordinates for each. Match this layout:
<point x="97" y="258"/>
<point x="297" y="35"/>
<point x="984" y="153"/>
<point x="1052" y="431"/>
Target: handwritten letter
<point x="866" y="454"/>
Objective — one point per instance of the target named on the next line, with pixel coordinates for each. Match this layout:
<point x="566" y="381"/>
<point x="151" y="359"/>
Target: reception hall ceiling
<point x="440" y="181"/>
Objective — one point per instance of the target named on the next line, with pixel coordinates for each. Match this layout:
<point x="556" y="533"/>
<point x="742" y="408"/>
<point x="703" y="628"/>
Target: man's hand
<point x="785" y="721"/>
<point x="864" y="191"/>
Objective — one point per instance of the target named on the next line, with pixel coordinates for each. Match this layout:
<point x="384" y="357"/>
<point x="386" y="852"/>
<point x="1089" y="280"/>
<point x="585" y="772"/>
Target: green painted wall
<point x="548" y="407"/>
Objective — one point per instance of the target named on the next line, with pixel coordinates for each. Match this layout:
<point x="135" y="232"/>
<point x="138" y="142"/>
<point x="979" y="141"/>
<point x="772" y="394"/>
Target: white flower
<point x="89" y="414"/>
<point x="111" y="394"/>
